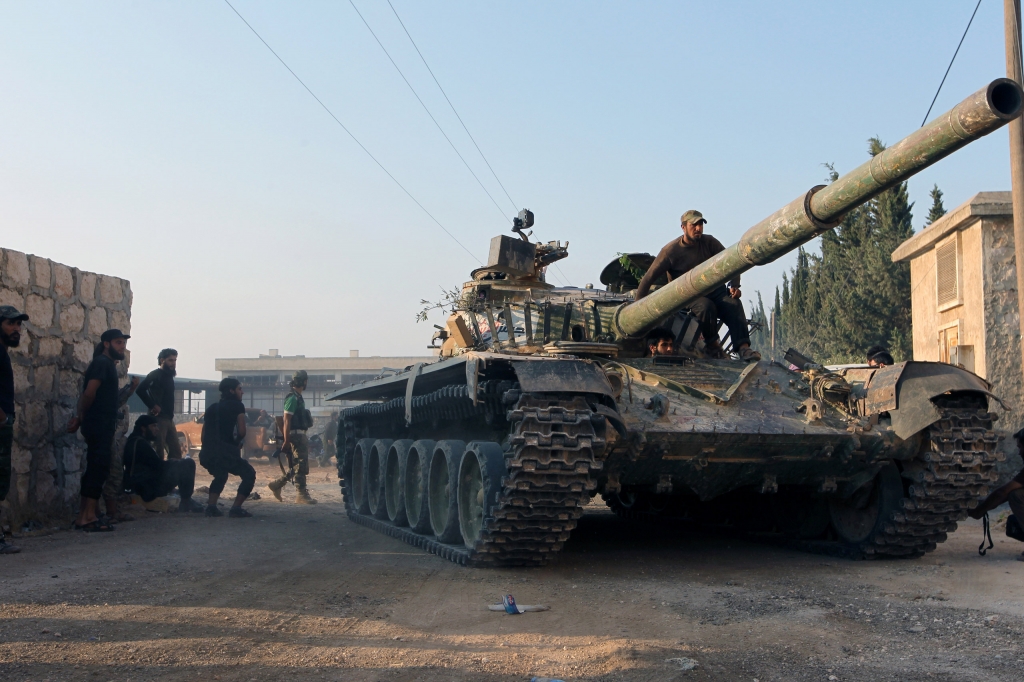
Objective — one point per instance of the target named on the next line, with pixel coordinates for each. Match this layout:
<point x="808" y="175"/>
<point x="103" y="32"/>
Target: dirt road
<point x="301" y="593"/>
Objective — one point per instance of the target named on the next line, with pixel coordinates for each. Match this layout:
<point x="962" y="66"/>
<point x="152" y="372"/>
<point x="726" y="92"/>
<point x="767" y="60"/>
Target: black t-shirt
<point x="104" y="408"/>
<point x="143" y="467"/>
<point x="158" y="389"/>
<point x="227" y="419"/>
<point x="6" y="383"/>
<point x="1020" y="477"/>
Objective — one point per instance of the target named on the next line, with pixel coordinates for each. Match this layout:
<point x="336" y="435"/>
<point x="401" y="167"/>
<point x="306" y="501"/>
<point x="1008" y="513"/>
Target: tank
<point x="541" y="399"/>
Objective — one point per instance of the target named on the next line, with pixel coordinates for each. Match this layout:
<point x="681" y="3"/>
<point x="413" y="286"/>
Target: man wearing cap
<point x="10" y="336"/>
<point x="97" y="416"/>
<point x="1012" y="492"/>
<point x="682" y="255"/>
<point x="157" y="392"/>
<point x="297" y="421"/>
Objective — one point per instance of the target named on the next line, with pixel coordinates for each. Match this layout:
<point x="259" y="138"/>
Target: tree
<point x="937" y="210"/>
<point x="834" y="306"/>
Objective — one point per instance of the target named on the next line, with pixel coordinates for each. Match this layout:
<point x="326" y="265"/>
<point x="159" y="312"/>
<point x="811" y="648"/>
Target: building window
<point x="258" y="379"/>
<point x="947" y="273"/>
<point x="949" y="342"/>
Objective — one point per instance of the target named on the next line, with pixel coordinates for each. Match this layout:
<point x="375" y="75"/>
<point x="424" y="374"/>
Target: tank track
<point x="949" y="476"/>
<point x="554" y="448"/>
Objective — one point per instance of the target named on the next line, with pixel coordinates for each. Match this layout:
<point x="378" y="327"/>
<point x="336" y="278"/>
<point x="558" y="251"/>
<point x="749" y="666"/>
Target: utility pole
<point x="1012" y="35"/>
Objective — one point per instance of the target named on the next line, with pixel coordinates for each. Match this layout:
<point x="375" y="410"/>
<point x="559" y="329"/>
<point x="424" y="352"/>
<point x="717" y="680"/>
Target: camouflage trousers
<point x="300" y="460"/>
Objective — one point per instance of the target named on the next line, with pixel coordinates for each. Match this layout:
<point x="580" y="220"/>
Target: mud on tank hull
<point x="503" y="478"/>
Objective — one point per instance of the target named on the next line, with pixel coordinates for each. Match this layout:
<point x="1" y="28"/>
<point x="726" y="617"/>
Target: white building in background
<point x="265" y="379"/>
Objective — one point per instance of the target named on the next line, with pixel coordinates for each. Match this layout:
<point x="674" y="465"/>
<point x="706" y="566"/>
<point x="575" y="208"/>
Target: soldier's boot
<point x="275" y="488"/>
<point x="302" y="497"/>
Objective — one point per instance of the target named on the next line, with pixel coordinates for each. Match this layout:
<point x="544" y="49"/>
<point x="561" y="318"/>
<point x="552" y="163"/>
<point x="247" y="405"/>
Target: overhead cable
<point x="951" y="63"/>
<point x="514" y="204"/>
<point x="422" y="104"/>
<point x="349" y="132"/>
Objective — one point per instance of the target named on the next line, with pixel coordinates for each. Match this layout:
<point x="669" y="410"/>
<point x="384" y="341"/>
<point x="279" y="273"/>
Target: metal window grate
<point x="946" y="273"/>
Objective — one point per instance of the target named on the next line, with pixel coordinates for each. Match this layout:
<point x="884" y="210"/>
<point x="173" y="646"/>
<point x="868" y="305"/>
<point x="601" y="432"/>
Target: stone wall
<point x="1002" y="320"/>
<point x="68" y="310"/>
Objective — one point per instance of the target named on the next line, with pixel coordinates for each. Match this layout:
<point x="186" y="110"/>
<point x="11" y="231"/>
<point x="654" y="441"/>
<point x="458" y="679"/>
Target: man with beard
<point x="148" y="475"/>
<point x="682" y="255"/>
<point x="97" y="416"/>
<point x="157" y="391"/>
<point x="10" y="336"/>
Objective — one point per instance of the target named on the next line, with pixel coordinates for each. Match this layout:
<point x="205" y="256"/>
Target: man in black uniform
<point x="97" y="415"/>
<point x="682" y="255"/>
<point x="10" y="336"/>
<point x="223" y="435"/>
<point x="148" y="475"/>
<point x="1012" y="492"/>
<point x="157" y="391"/>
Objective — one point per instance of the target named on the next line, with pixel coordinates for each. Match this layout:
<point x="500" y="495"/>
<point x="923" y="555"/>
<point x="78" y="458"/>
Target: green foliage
<point x="937" y="210"/>
<point x="834" y="306"/>
<point x="451" y="300"/>
<point x="760" y="328"/>
<point x="631" y="267"/>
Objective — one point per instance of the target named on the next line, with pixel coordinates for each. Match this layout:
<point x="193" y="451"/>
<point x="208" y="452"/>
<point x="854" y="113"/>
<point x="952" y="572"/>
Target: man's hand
<point x="155" y="410"/>
<point x="74" y="424"/>
<point x="735" y="292"/>
<point x="3" y="417"/>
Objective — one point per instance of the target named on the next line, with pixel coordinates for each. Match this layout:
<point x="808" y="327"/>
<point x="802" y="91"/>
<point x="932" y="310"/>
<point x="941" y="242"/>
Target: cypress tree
<point x="937" y="210"/>
<point x="833" y="307"/>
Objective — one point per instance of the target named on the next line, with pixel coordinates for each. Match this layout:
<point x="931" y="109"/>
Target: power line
<point x="514" y="204"/>
<point x="422" y="104"/>
<point x="951" y="63"/>
<point x="354" y="138"/>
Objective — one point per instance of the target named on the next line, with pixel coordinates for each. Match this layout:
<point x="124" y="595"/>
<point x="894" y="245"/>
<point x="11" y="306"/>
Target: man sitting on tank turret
<point x="682" y="255"/>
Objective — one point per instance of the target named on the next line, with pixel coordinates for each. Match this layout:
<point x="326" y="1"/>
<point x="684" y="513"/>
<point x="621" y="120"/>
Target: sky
<point x="165" y="144"/>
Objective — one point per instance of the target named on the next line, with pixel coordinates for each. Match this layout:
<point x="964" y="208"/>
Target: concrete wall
<point x="68" y="311"/>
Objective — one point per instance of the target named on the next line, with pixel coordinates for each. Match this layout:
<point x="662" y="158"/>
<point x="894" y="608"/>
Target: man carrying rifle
<point x="295" y="443"/>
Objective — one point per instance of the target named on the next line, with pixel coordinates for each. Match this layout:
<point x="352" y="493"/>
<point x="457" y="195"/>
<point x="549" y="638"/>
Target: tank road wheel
<point x="375" y="465"/>
<point x="359" y="462"/>
<point x="862" y="516"/>
<point x="417" y="470"/>
<point x="394" y="476"/>
<point x="442" y="489"/>
<point x="480" y="474"/>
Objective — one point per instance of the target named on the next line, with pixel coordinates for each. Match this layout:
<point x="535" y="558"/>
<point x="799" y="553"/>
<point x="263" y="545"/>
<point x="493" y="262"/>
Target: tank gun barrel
<point x="822" y="208"/>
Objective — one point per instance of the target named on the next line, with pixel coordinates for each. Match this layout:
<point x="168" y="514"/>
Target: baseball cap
<point x="112" y="334"/>
<point x="692" y="217"/>
<point x="9" y="312"/>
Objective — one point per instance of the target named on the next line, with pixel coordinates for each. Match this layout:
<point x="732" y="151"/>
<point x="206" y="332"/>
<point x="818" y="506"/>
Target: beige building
<point x="265" y="379"/>
<point x="964" y="295"/>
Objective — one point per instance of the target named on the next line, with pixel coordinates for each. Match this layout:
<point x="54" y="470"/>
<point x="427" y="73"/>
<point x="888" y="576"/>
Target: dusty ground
<point x="302" y="593"/>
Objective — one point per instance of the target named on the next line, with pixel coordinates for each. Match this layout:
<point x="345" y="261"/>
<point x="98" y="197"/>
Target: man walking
<point x="297" y="421"/>
<point x="97" y="416"/>
<point x="10" y="336"/>
<point x="157" y="392"/>
<point x="680" y="256"/>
